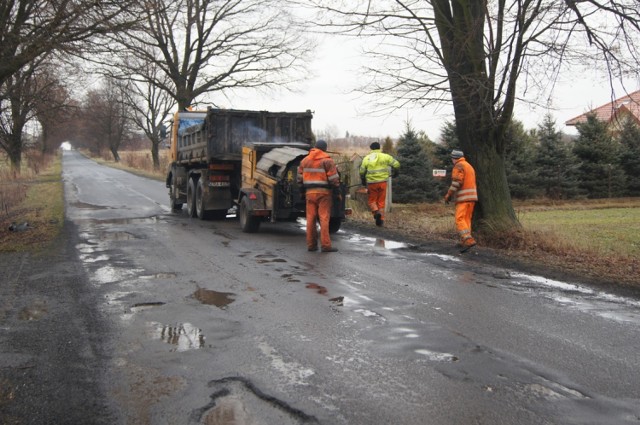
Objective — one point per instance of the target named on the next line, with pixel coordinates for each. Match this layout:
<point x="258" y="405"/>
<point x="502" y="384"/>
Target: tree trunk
<point x="480" y="130"/>
<point x="154" y="154"/>
<point x="116" y="155"/>
<point x="15" y="154"/>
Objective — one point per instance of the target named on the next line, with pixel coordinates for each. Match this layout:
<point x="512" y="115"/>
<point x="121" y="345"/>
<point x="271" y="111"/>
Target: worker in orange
<point x="319" y="180"/>
<point x="463" y="191"/>
<point x="374" y="174"/>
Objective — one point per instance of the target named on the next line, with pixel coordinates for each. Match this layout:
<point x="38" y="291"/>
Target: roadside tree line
<point x="539" y="163"/>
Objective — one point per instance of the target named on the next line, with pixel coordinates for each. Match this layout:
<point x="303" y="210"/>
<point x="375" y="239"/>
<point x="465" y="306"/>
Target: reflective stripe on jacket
<point x="318" y="171"/>
<point x="463" y="182"/>
<point x="376" y="166"/>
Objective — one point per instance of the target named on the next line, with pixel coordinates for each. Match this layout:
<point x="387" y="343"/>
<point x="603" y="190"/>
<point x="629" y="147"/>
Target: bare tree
<point x="107" y="118"/>
<point x="483" y="56"/>
<point x="19" y="98"/>
<point x="53" y="109"/>
<point x="206" y="46"/>
<point x="31" y="28"/>
<point x="150" y="107"/>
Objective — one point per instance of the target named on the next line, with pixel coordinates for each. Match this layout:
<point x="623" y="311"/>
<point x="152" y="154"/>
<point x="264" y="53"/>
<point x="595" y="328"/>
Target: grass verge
<point x="599" y="239"/>
<point x="41" y="206"/>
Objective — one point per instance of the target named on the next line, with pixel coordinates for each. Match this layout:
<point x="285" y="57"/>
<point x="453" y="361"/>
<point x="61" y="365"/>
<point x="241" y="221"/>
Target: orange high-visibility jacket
<point x="463" y="182"/>
<point x="318" y="172"/>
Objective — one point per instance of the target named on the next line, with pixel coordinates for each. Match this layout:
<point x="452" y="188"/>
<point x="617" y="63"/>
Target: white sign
<point x="439" y="173"/>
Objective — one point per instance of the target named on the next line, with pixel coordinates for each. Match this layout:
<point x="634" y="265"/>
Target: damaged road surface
<point x="197" y="322"/>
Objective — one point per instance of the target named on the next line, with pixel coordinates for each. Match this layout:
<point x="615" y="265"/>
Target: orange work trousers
<point x="318" y="209"/>
<point x="464" y="212"/>
<point x="377" y="197"/>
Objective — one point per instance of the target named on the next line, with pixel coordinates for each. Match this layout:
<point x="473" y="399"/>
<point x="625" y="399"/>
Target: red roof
<point x="629" y="104"/>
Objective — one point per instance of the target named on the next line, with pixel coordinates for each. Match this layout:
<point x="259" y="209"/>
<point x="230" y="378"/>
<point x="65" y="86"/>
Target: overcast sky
<point x="336" y="72"/>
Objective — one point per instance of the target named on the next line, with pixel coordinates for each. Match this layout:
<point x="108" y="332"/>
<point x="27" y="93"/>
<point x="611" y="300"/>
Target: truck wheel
<point x="334" y="224"/>
<point x="248" y="223"/>
<point x="200" y="211"/>
<point x="173" y="196"/>
<point x="191" y="198"/>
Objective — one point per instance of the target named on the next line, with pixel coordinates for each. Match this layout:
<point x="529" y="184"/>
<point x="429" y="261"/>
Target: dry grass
<point x="596" y="238"/>
<point x="35" y="196"/>
<point x="138" y="162"/>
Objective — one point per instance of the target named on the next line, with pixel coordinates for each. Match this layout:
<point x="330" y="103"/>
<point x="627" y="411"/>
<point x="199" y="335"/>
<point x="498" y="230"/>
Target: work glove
<point x="395" y="173"/>
<point x="337" y="192"/>
<point x="447" y="197"/>
<point x="363" y="180"/>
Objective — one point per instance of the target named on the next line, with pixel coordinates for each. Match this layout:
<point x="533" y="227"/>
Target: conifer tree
<point x="520" y="155"/>
<point x="415" y="182"/>
<point x="442" y="155"/>
<point x="598" y="172"/>
<point x="629" y="139"/>
<point x="387" y="147"/>
<point x="555" y="163"/>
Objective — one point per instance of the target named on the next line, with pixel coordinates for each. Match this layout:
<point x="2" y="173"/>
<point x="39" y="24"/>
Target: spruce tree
<point x="520" y="156"/>
<point x="415" y="182"/>
<point x="629" y="139"/>
<point x="555" y="163"/>
<point x="598" y="173"/>
<point x="442" y="155"/>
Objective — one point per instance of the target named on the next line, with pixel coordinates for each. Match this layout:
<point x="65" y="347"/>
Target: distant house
<point x="614" y="113"/>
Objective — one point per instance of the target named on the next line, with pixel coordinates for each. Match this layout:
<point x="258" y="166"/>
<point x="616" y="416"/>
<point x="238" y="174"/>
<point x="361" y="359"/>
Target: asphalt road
<point x="143" y="316"/>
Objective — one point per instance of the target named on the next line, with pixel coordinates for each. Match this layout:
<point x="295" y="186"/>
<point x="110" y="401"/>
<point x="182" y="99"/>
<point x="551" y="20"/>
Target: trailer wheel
<point x="248" y="223"/>
<point x="334" y="224"/>
<point x="173" y="196"/>
<point x="191" y="198"/>
<point x="200" y="211"/>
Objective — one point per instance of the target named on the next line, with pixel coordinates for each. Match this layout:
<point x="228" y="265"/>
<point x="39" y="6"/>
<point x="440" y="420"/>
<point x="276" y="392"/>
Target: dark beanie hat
<point x="322" y="145"/>
<point x="375" y="145"/>
<point x="455" y="154"/>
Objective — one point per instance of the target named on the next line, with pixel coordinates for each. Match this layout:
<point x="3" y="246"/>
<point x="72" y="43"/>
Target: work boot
<point x="312" y="248"/>
<point x="467" y="245"/>
<point x="379" y="221"/>
<point x="330" y="249"/>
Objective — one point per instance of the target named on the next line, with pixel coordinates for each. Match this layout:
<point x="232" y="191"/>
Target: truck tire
<point x="248" y="223"/>
<point x="191" y="198"/>
<point x="334" y="224"/>
<point x="200" y="211"/>
<point x="173" y="196"/>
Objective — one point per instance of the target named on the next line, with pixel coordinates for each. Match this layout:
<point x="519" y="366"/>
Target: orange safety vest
<point x="463" y="181"/>
<point x="317" y="171"/>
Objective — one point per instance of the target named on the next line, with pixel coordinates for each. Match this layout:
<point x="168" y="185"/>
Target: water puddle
<point x="165" y="275"/>
<point x="116" y="236"/>
<point x="602" y="304"/>
<point x="121" y="221"/>
<point x="385" y="244"/>
<point x="84" y="205"/>
<point x="435" y="356"/>
<point x="209" y="297"/>
<point x="182" y="336"/>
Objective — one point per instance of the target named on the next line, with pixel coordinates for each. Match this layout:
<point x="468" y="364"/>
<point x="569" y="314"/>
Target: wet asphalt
<point x="142" y="316"/>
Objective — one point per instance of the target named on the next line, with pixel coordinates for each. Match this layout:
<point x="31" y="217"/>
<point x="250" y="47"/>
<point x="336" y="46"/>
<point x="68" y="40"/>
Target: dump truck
<point x="227" y="158"/>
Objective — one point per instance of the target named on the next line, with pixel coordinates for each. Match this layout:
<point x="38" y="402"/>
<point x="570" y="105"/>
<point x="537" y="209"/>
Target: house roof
<point x="627" y="105"/>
